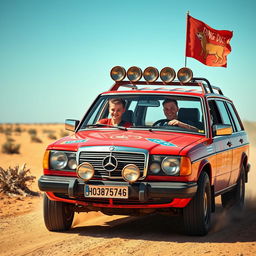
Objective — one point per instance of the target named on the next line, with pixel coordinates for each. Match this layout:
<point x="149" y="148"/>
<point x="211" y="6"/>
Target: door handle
<point x="229" y="144"/>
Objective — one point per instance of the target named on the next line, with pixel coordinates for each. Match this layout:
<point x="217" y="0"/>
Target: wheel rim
<point x="205" y="205"/>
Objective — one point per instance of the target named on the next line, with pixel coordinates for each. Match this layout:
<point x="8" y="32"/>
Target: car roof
<point x="199" y="87"/>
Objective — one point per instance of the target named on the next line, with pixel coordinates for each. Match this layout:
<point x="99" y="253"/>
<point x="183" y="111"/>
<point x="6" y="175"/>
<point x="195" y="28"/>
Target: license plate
<point x="105" y="191"/>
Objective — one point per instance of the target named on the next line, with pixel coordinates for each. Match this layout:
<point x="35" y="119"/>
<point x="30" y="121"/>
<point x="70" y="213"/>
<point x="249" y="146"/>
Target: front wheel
<point x="197" y="214"/>
<point x="58" y="216"/>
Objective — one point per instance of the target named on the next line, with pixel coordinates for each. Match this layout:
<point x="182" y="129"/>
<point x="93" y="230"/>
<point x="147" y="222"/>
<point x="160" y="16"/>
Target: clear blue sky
<point x="55" y="55"/>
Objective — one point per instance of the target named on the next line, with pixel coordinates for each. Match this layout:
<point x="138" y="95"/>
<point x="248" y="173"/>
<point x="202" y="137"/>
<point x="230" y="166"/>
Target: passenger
<point x="170" y="107"/>
<point x="116" y="110"/>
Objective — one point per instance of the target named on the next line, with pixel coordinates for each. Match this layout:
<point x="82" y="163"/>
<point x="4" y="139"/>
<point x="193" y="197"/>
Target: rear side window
<point x="223" y="112"/>
<point x="235" y="117"/>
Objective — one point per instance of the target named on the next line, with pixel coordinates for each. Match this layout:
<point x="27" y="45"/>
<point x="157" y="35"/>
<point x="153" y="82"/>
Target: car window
<point x="143" y="111"/>
<point x="223" y="112"/>
<point x="235" y="117"/>
<point x="214" y="113"/>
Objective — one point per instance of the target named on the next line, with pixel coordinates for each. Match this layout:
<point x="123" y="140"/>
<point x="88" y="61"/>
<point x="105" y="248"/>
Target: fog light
<point x="117" y="73"/>
<point x="150" y="74"/>
<point x="134" y="74"/>
<point x="131" y="173"/>
<point x="185" y="75"/>
<point x="85" y="171"/>
<point x="167" y="74"/>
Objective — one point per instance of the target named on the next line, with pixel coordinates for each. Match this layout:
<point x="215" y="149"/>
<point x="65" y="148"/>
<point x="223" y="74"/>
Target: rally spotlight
<point x="185" y="75"/>
<point x="167" y="74"/>
<point x="150" y="74"/>
<point x="117" y="73"/>
<point x="134" y="74"/>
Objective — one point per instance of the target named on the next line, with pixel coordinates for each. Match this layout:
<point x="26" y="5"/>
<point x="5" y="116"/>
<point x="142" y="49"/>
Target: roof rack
<point x="196" y="81"/>
<point x="207" y="86"/>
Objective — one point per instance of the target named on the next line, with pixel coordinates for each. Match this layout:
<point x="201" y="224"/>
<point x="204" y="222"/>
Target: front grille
<point x="123" y="158"/>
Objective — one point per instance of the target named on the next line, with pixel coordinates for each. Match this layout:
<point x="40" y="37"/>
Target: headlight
<point x="185" y="75"/>
<point x="171" y="166"/>
<point x="117" y="73"/>
<point x="58" y="160"/>
<point x="167" y="74"/>
<point x="131" y="173"/>
<point x="134" y="74"/>
<point x="85" y="171"/>
<point x="62" y="160"/>
<point x="150" y="74"/>
<point x="155" y="168"/>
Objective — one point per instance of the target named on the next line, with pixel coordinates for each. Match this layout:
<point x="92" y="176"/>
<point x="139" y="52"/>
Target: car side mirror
<point x="71" y="124"/>
<point x="222" y="129"/>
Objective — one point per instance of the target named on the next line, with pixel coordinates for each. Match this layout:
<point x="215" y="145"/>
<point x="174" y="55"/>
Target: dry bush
<point x="1" y="129"/>
<point x="10" y="148"/>
<point x="18" y="129"/>
<point x="34" y="138"/>
<point x="8" y="131"/>
<point x="10" y="139"/>
<point x="52" y="136"/>
<point x="32" y="131"/>
<point x="48" y="131"/>
<point x="16" y="181"/>
<point x="63" y="133"/>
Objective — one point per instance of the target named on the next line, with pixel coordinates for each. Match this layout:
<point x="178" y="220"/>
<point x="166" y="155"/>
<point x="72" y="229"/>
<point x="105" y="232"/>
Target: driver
<point x="116" y="110"/>
<point x="170" y="108"/>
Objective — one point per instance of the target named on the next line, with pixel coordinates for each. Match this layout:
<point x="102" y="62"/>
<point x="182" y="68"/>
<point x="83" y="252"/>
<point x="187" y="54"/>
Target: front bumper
<point x="141" y="191"/>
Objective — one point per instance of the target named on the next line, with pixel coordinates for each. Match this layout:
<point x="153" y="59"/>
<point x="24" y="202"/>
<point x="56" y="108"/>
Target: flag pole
<point x="186" y="39"/>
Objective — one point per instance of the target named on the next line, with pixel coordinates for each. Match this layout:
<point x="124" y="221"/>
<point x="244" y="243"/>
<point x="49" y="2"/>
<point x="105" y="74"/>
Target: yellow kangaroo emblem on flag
<point x="210" y="48"/>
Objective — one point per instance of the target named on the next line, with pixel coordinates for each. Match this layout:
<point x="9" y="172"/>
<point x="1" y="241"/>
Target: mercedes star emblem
<point x="111" y="148"/>
<point x="109" y="163"/>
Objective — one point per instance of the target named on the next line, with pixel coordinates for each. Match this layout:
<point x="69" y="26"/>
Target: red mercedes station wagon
<point x="149" y="146"/>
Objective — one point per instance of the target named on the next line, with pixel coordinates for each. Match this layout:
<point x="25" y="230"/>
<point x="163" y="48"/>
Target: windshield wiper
<point x="107" y="125"/>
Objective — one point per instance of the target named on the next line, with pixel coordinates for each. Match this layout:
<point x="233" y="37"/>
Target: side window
<point x="235" y="117"/>
<point x="223" y="112"/>
<point x="214" y="113"/>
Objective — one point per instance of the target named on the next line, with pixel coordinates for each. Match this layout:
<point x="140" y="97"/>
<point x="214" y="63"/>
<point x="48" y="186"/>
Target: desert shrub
<point x="8" y="131"/>
<point x="16" y="181"/>
<point x="32" y="131"/>
<point x="48" y="131"/>
<point x="34" y="138"/>
<point x="63" y="133"/>
<point x="1" y="129"/>
<point x="10" y="148"/>
<point x="52" y="136"/>
<point x="10" y="139"/>
<point x="18" y="129"/>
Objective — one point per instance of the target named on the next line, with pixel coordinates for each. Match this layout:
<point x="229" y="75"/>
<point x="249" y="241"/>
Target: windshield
<point x="181" y="113"/>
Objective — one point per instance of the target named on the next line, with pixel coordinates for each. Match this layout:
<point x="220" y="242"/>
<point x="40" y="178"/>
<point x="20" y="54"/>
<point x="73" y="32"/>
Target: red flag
<point x="207" y="45"/>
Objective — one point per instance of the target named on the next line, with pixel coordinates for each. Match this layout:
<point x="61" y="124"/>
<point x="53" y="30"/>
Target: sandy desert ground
<point x="22" y="230"/>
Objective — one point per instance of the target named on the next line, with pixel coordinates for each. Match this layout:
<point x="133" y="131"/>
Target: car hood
<point x="156" y="142"/>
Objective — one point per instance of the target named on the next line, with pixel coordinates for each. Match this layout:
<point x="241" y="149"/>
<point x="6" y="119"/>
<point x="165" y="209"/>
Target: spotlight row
<point x="151" y="74"/>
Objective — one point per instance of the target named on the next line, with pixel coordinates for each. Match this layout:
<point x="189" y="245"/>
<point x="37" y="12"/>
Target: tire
<point x="197" y="214"/>
<point x="58" y="216"/>
<point x="235" y="198"/>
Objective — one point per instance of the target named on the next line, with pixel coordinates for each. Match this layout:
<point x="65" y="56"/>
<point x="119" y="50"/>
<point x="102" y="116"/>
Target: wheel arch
<point x="205" y="166"/>
<point x="244" y="163"/>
